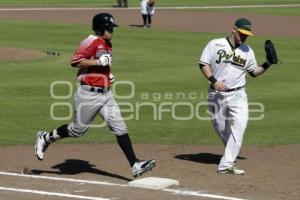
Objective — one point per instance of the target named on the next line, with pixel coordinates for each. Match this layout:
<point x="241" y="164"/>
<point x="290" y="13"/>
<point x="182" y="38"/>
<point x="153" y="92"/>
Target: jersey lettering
<point x="226" y="58"/>
<point x="237" y="60"/>
<point x="101" y="52"/>
<point x="227" y="64"/>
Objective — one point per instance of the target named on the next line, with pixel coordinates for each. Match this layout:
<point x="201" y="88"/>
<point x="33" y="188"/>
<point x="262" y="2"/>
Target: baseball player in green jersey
<point x="225" y="62"/>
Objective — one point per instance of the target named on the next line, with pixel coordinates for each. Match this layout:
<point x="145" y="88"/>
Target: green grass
<point x="136" y="2"/>
<point x="165" y="64"/>
<point x="260" y="11"/>
<point x="169" y="3"/>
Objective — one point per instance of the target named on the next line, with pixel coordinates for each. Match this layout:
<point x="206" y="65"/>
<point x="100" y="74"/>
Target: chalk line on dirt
<point x="181" y="192"/>
<point x="51" y="193"/>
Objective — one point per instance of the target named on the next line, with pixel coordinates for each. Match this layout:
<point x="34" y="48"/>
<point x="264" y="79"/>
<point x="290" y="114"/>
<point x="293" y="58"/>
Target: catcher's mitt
<point x="271" y="54"/>
<point x="151" y="3"/>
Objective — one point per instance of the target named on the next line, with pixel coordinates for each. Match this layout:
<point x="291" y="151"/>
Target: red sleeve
<point x="86" y="50"/>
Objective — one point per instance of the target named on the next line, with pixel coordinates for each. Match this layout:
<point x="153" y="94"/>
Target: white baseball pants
<point x="229" y="118"/>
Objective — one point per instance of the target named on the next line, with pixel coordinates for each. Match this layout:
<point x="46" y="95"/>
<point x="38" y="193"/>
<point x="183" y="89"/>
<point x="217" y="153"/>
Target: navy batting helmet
<point x="102" y="22"/>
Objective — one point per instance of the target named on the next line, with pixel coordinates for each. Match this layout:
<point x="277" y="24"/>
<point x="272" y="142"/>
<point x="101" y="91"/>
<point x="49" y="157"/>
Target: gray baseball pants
<point x="88" y="104"/>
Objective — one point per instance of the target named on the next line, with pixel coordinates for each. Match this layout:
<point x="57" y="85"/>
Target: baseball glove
<point x="271" y="54"/>
<point x="151" y="3"/>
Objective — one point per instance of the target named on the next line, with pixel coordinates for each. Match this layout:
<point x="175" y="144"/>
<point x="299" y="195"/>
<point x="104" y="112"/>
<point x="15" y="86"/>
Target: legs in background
<point x="147" y="20"/>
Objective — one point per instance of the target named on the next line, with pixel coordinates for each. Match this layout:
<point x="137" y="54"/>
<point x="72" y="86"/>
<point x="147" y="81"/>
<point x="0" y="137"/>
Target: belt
<point x="95" y="89"/>
<point x="230" y="90"/>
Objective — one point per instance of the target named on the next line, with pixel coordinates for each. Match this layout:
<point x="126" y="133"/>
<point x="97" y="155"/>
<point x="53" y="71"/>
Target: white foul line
<point x="172" y="191"/>
<point x="160" y="8"/>
<point x="199" y="194"/>
<point x="63" y="179"/>
<point x="51" y="193"/>
<point x="232" y="6"/>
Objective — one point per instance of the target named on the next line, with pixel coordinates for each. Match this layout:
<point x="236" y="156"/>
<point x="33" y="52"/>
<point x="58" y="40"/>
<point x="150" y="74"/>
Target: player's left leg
<point x="111" y="114"/>
<point x="119" y="3"/>
<point x="149" y="20"/>
<point x="238" y="113"/>
<point x="125" y="3"/>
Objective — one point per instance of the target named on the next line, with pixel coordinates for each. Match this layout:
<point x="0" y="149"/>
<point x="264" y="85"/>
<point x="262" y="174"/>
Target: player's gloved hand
<point x="271" y="54"/>
<point x="111" y="78"/>
<point x="105" y="60"/>
<point x="220" y="86"/>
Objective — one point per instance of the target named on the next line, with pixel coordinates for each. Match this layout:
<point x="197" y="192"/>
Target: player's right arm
<point x="85" y="63"/>
<point x="103" y="61"/>
<point x="85" y="57"/>
<point x="206" y="71"/>
<point x="205" y="67"/>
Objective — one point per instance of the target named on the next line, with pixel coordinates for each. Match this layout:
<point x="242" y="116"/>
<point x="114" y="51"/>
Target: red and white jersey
<point x="93" y="47"/>
<point x="228" y="64"/>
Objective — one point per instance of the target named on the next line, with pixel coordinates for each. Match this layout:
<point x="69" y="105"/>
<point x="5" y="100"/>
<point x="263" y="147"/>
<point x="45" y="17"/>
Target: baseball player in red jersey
<point x="93" y="96"/>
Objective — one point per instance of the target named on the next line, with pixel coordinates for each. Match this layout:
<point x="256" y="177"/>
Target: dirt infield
<point x="271" y="172"/>
<point x="16" y="54"/>
<point x="197" y="21"/>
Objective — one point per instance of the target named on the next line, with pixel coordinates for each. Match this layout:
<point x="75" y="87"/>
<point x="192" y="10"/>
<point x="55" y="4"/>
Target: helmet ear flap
<point x="99" y="31"/>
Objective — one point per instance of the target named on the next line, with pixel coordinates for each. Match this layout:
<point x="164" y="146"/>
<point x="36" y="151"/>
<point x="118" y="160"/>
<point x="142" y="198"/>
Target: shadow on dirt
<point x="136" y="25"/>
<point x="205" y="158"/>
<point x="74" y="166"/>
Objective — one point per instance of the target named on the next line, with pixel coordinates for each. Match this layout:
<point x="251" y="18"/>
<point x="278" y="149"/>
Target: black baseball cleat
<point x="142" y="166"/>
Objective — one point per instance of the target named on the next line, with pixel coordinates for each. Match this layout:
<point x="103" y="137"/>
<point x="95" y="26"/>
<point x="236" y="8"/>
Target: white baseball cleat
<point x="142" y="166"/>
<point x="40" y="145"/>
<point x="232" y="170"/>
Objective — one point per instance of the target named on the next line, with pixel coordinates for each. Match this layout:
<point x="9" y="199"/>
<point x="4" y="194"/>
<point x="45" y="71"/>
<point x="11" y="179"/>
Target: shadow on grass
<point x="205" y="158"/>
<point x="74" y="166"/>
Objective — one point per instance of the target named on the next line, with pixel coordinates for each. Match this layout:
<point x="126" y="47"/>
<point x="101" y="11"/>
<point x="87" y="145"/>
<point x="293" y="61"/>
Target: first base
<point x="153" y="183"/>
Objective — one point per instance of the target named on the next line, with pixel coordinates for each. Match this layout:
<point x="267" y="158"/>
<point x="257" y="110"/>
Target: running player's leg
<point x="111" y="114"/>
<point x="87" y="105"/>
<point x="84" y="112"/>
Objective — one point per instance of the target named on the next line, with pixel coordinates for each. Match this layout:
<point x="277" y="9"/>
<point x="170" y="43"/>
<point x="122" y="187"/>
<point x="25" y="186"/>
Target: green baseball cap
<point x="243" y="25"/>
